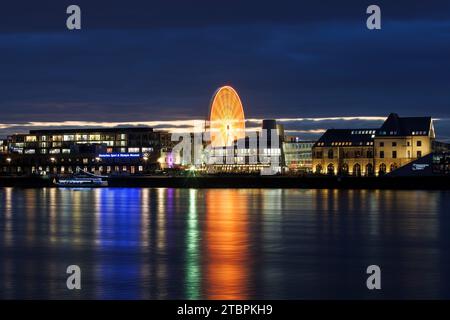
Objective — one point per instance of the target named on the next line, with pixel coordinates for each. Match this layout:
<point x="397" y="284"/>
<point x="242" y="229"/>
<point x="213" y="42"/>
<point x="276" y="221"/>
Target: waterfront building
<point x="102" y="150"/>
<point x="263" y="155"/>
<point x="396" y="143"/>
<point x="297" y="154"/>
<point x="344" y="151"/>
<point x="401" y="140"/>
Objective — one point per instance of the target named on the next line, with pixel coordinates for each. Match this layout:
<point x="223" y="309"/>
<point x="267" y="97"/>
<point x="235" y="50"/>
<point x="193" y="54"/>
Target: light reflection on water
<point x="138" y="243"/>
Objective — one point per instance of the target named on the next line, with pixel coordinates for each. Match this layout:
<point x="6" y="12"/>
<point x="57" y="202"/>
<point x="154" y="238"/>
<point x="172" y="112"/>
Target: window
<point x="81" y="137"/>
<point x="318" y="168"/>
<point x="68" y="137"/>
<point x="419" y="143"/>
<point x="382" y="169"/>
<point x="394" y="154"/>
<point x="381" y="154"/>
<point x="381" y="144"/>
<point x="394" y="144"/>
<point x="30" y="138"/>
<point x="330" y="169"/>
<point x="408" y="144"/>
<point x="94" y="137"/>
<point x="133" y="150"/>
<point x="330" y="154"/>
<point x="121" y="144"/>
<point x="369" y="169"/>
<point x="419" y="154"/>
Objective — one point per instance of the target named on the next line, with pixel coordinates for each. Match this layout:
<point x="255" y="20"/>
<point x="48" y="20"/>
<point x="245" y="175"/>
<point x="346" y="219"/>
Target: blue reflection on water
<point x="162" y="243"/>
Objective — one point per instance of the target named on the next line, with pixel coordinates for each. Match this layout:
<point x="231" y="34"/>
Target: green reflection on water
<point x="192" y="250"/>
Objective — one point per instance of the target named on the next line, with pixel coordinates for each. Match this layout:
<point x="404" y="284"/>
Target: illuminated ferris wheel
<point x="227" y="121"/>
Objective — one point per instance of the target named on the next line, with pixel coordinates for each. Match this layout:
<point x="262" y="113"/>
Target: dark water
<point x="223" y="244"/>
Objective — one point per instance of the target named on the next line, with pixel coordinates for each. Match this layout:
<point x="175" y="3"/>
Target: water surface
<point x="138" y="243"/>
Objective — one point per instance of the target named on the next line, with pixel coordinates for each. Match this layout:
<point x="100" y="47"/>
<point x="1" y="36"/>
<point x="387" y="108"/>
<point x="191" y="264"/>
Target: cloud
<point x="306" y="127"/>
<point x="163" y="60"/>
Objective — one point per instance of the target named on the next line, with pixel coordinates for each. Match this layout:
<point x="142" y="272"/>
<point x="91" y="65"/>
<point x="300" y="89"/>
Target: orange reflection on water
<point x="226" y="245"/>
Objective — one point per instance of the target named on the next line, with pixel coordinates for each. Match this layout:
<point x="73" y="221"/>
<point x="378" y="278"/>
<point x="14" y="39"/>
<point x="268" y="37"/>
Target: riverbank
<point x="313" y="182"/>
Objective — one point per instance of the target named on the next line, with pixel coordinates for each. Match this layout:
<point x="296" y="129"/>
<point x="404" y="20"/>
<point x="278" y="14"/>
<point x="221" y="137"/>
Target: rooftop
<point x="346" y="137"/>
<point x="405" y="126"/>
<point x="92" y="130"/>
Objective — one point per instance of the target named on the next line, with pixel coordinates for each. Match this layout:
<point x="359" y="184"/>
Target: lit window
<point x="68" y="137"/>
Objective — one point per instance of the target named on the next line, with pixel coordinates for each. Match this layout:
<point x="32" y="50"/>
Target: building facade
<point x="297" y="154"/>
<point x="374" y="151"/>
<point x="401" y="140"/>
<point x="259" y="152"/>
<point x="100" y="150"/>
<point x="344" y="152"/>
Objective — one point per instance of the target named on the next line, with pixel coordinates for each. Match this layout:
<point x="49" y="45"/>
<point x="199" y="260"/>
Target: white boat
<point x="81" y="179"/>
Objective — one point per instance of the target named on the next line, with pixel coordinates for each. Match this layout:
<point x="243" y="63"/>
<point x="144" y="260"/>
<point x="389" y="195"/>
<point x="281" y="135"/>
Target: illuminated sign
<point x="119" y="155"/>
<point x="419" y="166"/>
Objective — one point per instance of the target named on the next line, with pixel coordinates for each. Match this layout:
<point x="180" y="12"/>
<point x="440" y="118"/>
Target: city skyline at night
<point x="161" y="62"/>
<point x="224" y="159"/>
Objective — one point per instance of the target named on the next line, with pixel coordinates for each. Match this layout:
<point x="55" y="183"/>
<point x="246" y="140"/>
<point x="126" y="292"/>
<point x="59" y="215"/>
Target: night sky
<point x="139" y="61"/>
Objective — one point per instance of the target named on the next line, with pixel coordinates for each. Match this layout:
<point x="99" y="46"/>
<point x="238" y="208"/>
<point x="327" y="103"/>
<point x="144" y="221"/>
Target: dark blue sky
<point x="162" y="60"/>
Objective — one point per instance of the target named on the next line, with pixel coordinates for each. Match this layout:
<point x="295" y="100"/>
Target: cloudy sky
<point x="161" y="60"/>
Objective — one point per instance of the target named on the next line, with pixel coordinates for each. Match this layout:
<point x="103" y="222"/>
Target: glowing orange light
<point x="228" y="264"/>
<point x="227" y="121"/>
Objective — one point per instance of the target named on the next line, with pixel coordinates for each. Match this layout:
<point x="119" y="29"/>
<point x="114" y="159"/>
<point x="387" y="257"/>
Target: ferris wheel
<point x="227" y="121"/>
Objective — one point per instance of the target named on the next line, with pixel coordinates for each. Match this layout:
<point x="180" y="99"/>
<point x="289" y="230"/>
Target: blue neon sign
<point x="119" y="155"/>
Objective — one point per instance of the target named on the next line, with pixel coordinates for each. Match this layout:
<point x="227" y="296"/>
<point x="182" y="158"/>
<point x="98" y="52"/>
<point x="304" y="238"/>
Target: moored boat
<point x="81" y="179"/>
